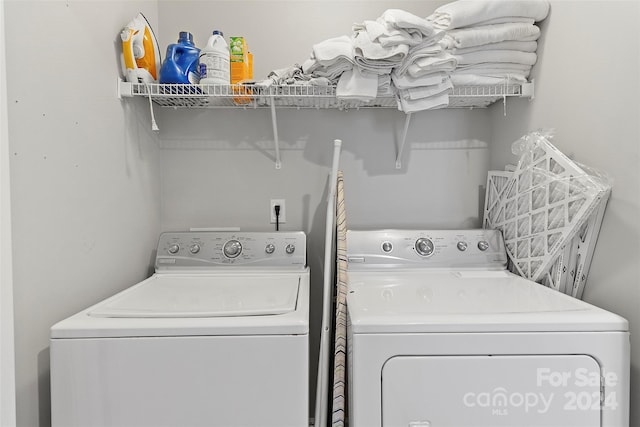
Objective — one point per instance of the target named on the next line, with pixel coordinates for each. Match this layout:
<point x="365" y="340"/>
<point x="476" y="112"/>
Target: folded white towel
<point x="357" y="85"/>
<point x="432" y="64"/>
<point x="309" y="65"/>
<point x="501" y="71"/>
<point x="496" y="56"/>
<point x="398" y="18"/>
<point x="504" y="21"/>
<point x="424" y="49"/>
<point x="387" y="36"/>
<point x="376" y="66"/>
<point x="425" y="91"/>
<point x="320" y="82"/>
<point x="395" y="27"/>
<point x="464" y="13"/>
<point x="384" y="85"/>
<point x="332" y="72"/>
<point x="406" y="81"/>
<point x="494" y="68"/>
<point x="430" y="103"/>
<point x="486" y="34"/>
<point x="413" y="58"/>
<point x="364" y="47"/>
<point x="331" y="50"/>
<point x="429" y="47"/>
<point x="530" y="46"/>
<point x="478" y="79"/>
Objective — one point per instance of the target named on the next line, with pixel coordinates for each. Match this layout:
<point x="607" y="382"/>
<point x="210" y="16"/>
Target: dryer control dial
<point x="195" y="248"/>
<point x="232" y="248"/>
<point x="290" y="248"/>
<point x="462" y="246"/>
<point x="270" y="248"/>
<point x="483" y="245"/>
<point x="173" y="249"/>
<point x="424" y="247"/>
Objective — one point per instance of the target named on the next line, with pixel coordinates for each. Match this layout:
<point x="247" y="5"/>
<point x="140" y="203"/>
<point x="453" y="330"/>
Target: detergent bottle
<point x="181" y="62"/>
<point x="215" y="57"/>
<point x="239" y="59"/>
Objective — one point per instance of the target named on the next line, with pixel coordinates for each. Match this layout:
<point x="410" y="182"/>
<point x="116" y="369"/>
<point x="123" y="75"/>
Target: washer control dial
<point x="290" y="248"/>
<point x="387" y="247"/>
<point x="194" y="249"/>
<point x="483" y="245"/>
<point x="462" y="246"/>
<point x="424" y="247"/>
<point x="270" y="248"/>
<point x="173" y="249"/>
<point x="232" y="249"/>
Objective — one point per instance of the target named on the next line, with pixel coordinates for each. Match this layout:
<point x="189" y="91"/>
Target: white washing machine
<point x="440" y="334"/>
<point x="218" y="336"/>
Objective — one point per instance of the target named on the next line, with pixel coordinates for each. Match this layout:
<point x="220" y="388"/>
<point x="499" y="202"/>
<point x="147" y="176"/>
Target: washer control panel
<point x="212" y="249"/>
<point x="426" y="248"/>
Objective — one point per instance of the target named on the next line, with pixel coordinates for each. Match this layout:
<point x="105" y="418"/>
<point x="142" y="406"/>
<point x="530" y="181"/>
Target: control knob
<point x="387" y="247"/>
<point x="195" y="248"/>
<point x="270" y="248"/>
<point x="290" y="248"/>
<point x="232" y="249"/>
<point x="424" y="247"/>
<point x="173" y="249"/>
<point x="462" y="246"/>
<point x="483" y="245"/>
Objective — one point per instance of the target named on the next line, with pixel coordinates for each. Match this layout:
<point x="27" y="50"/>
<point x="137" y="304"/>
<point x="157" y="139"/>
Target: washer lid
<point x="203" y="296"/>
<point x="466" y="301"/>
<point x="221" y="304"/>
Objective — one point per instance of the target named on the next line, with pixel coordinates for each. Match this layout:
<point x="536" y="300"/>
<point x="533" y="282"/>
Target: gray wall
<point x="218" y="167"/>
<point x="587" y="85"/>
<point x="84" y="175"/>
<point x="7" y="354"/>
<point x="217" y="174"/>
<point x="91" y="183"/>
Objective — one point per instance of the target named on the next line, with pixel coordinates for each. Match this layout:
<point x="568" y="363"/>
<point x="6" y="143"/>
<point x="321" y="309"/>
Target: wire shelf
<point x="297" y="96"/>
<point x="273" y="97"/>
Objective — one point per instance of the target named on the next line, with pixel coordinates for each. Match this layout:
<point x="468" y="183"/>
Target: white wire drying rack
<point x="304" y="97"/>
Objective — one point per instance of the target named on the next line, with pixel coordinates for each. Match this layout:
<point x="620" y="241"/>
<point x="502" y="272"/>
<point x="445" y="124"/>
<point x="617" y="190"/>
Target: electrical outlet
<point x="272" y="209"/>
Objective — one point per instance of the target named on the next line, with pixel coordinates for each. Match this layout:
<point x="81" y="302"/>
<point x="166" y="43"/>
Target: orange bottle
<point x="238" y="59"/>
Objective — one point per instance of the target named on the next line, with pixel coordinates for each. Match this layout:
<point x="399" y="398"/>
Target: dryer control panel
<point x="213" y="249"/>
<point x="476" y="248"/>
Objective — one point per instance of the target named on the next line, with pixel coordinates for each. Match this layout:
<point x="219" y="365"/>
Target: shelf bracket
<point x="528" y="89"/>
<point x="123" y="88"/>
<point x="407" y="120"/>
<point x="274" y="123"/>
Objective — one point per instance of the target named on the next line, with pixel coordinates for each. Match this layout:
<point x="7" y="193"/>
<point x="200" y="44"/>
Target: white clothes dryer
<point x="217" y="336"/>
<point x="441" y="334"/>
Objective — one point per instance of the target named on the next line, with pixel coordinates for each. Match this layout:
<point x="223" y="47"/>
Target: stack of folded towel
<point x="420" y="60"/>
<point x="493" y="42"/>
<point x="396" y="53"/>
<point x="382" y="46"/>
<point x="330" y="58"/>
<point x="421" y="79"/>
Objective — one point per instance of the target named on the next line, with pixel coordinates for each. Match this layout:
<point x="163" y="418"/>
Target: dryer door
<point x="491" y="391"/>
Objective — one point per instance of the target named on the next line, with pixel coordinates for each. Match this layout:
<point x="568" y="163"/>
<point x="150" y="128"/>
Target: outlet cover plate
<point x="272" y="211"/>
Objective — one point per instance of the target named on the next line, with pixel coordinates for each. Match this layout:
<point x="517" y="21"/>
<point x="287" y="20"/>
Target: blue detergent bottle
<point x="181" y="62"/>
